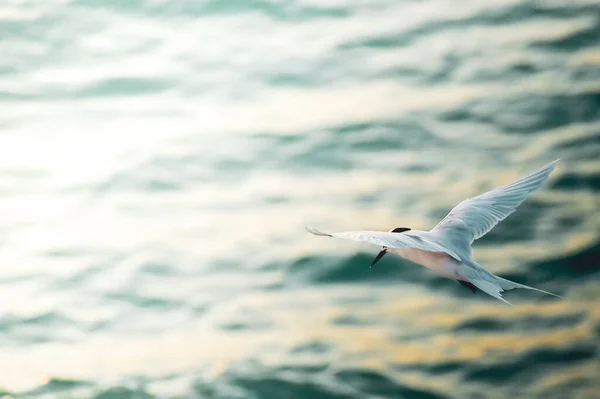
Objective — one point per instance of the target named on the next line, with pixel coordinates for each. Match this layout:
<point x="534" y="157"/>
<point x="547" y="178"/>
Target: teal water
<point x="159" y="159"/>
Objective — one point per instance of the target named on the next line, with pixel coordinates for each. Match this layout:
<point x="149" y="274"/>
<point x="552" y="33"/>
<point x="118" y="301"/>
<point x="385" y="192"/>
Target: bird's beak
<point x="379" y="256"/>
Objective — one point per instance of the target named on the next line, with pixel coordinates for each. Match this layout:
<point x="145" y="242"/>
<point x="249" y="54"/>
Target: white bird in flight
<point x="446" y="249"/>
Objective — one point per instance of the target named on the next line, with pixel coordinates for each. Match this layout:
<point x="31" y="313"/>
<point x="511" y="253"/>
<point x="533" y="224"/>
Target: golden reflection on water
<point x="304" y="316"/>
<point x="587" y="56"/>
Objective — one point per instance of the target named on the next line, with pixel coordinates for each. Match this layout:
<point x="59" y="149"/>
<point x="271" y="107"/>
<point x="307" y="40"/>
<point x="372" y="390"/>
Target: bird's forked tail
<point x="492" y="284"/>
<point x="509" y="285"/>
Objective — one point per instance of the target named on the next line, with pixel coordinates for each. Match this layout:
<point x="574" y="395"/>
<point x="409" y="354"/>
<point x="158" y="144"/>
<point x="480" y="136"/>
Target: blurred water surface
<point x="159" y="159"/>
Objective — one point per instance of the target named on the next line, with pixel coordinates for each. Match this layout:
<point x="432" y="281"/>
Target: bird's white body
<point x="439" y="262"/>
<point x="446" y="249"/>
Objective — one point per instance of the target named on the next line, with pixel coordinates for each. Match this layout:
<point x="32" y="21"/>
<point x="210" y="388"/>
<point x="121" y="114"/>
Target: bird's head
<point x="384" y="248"/>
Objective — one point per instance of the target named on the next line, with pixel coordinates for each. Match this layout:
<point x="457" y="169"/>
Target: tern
<point x="446" y="249"/>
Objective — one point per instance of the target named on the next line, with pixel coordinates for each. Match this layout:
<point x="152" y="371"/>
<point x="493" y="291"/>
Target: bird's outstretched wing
<point x="410" y="239"/>
<point x="474" y="217"/>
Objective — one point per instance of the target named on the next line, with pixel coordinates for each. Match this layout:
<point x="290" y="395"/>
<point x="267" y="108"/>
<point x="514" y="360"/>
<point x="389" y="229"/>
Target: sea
<point x="160" y="159"/>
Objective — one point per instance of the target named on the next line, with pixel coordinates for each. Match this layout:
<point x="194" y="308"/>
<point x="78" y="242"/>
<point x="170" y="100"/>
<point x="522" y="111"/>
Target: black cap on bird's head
<point x="384" y="249"/>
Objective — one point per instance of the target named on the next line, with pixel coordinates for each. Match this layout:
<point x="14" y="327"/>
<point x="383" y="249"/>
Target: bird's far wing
<point x="390" y="240"/>
<point x="474" y="217"/>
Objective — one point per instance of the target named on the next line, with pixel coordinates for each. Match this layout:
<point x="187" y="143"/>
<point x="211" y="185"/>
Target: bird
<point x="446" y="248"/>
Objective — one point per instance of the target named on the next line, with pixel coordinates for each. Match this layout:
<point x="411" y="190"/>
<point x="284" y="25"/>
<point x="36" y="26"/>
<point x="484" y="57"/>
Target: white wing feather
<point x="409" y="239"/>
<point x="474" y="217"/>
